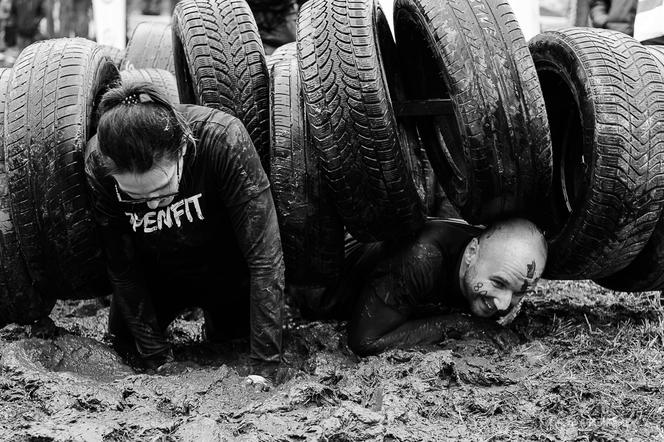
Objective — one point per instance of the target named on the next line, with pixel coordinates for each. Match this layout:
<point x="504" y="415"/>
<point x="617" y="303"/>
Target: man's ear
<point x="470" y="254"/>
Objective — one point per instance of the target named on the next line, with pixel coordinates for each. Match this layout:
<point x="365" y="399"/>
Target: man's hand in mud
<point x="469" y="327"/>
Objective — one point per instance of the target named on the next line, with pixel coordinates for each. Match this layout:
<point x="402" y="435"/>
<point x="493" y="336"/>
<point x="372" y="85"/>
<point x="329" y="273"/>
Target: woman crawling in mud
<point x="403" y="293"/>
<point x="187" y="219"/>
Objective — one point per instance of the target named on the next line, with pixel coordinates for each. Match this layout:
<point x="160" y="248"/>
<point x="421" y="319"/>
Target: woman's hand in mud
<point x="275" y="372"/>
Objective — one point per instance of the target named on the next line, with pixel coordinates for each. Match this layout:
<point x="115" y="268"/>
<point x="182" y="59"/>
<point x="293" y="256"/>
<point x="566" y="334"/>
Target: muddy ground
<point x="587" y="364"/>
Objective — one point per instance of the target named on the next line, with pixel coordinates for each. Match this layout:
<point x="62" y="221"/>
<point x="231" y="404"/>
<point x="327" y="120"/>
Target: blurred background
<point x="111" y="22"/>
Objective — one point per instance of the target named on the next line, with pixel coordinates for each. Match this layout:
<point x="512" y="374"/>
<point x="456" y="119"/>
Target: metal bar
<point x="421" y="108"/>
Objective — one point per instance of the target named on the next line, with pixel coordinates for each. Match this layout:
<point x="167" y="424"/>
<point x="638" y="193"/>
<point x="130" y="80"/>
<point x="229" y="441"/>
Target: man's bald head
<point x="501" y="265"/>
<point x="519" y="236"/>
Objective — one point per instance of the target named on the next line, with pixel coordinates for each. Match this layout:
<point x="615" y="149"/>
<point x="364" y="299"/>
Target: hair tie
<point x="131" y="99"/>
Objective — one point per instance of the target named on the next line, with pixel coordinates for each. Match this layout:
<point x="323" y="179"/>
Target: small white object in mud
<point x="260" y="381"/>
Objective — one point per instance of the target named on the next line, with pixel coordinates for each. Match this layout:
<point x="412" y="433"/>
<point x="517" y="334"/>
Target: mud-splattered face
<point x="497" y="277"/>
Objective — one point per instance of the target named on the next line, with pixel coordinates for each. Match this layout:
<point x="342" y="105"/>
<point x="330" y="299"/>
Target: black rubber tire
<point x="160" y="78"/>
<point x="220" y="63"/>
<point x="646" y="272"/>
<point x="344" y="50"/>
<point x="605" y="101"/>
<point x="150" y="46"/>
<point x="282" y="52"/>
<point x="312" y="234"/>
<point x="493" y="155"/>
<point x="53" y="92"/>
<point x="19" y="301"/>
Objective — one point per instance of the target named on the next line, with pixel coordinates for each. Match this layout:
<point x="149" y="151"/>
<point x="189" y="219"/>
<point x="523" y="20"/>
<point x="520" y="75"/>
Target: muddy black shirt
<point x="405" y="288"/>
<point x="222" y="225"/>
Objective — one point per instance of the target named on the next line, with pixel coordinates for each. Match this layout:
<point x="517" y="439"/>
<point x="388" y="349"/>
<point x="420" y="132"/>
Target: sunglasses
<point x="129" y="200"/>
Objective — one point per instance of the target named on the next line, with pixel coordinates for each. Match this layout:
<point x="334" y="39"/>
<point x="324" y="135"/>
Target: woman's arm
<point x="129" y="289"/>
<point x="257" y="230"/>
<point x="244" y="187"/>
<point x="132" y="298"/>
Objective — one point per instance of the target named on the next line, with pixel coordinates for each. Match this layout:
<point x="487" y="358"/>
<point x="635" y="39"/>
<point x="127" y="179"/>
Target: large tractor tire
<point x="492" y="152"/>
<point x="349" y="76"/>
<point x="150" y="46"/>
<point x="605" y="100"/>
<point x="163" y="80"/>
<point x="50" y="115"/>
<point x="220" y="63"/>
<point x="312" y="234"/>
<point x="19" y="301"/>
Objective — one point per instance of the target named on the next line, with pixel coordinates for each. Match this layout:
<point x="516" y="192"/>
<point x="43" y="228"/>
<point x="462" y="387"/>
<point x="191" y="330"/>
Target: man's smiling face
<point x="499" y="270"/>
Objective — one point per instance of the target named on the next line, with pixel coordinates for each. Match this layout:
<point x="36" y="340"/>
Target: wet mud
<point x="582" y="363"/>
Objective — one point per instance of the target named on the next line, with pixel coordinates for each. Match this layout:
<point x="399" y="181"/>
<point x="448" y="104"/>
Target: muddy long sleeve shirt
<point x="406" y="289"/>
<point x="221" y="226"/>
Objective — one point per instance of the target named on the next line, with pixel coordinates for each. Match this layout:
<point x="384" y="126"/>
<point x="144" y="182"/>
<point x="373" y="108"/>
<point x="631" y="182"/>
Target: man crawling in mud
<point x="404" y="293"/>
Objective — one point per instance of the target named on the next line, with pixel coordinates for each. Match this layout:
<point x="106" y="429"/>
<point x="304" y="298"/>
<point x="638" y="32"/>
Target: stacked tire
<point x="18" y="299"/>
<point x="312" y="234"/>
<point x="150" y="47"/>
<point x="646" y="270"/>
<point x="49" y="245"/>
<point x="220" y="62"/>
<point x="348" y="104"/>
<point x="492" y="151"/>
<point x="605" y="100"/>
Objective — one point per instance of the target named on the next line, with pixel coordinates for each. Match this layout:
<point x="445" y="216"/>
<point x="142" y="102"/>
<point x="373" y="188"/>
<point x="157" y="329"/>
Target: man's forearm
<point x="423" y="331"/>
<point x="409" y="334"/>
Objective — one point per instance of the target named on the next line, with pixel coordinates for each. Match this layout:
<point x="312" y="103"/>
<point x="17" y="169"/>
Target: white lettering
<point x="187" y="211"/>
<point x="149" y="224"/>
<point x="176" y="208"/>
<point x="132" y="220"/>
<point x="199" y="212"/>
<point x="164" y="217"/>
